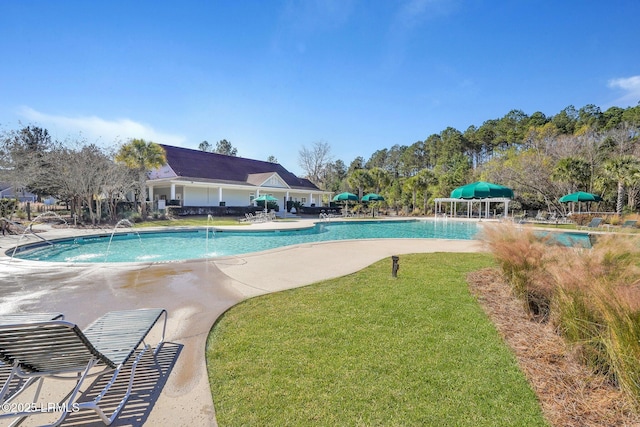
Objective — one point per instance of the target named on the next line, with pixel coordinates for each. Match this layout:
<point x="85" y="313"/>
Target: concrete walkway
<point x="195" y="293"/>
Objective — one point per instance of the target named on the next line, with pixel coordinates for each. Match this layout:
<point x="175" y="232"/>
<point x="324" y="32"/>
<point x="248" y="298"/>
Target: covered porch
<point x="178" y="192"/>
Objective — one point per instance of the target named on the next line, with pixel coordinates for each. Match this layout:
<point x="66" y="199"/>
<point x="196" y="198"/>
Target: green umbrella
<point x="580" y="196"/>
<point x="266" y="199"/>
<point x="372" y="197"/>
<point x="481" y="190"/>
<point x="344" y="197"/>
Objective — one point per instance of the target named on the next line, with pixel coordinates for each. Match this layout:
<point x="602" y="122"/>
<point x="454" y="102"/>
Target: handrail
<point x="25" y="229"/>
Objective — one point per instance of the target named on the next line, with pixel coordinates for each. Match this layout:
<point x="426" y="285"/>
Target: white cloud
<point x="413" y="12"/>
<point x="631" y="88"/>
<point x="97" y="129"/>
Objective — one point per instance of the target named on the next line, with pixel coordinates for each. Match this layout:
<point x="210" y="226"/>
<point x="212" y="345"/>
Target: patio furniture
<point x="13" y="385"/>
<point x="630" y="223"/>
<point x="542" y="216"/>
<point x="595" y="223"/>
<point x="41" y="349"/>
<point x="29" y="317"/>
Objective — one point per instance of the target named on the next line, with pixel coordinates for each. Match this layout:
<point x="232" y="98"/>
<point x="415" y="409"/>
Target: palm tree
<point x="420" y="183"/>
<point x="141" y="156"/>
<point x="426" y="178"/>
<point x="622" y="170"/>
<point x="360" y="179"/>
<point x="574" y="171"/>
<point x="381" y="178"/>
<point x="411" y="185"/>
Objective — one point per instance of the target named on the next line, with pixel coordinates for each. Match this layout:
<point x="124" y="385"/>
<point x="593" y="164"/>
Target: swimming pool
<point x="199" y="243"/>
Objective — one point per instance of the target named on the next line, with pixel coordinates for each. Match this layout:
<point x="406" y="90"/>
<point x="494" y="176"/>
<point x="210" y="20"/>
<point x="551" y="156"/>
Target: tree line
<point x="540" y="157"/>
<point x="93" y="180"/>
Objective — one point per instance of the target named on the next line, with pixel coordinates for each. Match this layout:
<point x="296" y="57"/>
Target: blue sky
<point x="273" y="76"/>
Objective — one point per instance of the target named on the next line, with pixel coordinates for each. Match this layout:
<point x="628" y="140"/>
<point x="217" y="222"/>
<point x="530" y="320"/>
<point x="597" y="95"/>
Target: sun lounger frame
<point x="37" y="350"/>
<point x="8" y="389"/>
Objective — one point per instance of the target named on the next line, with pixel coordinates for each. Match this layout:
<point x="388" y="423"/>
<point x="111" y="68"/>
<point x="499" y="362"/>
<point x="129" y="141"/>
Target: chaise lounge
<point x="595" y="223"/>
<point x="37" y="349"/>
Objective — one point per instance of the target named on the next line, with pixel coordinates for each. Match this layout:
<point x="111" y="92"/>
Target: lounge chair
<point x="29" y="317"/>
<point x="13" y="385"/>
<point x="40" y="349"/>
<point x="630" y="223"/>
<point x="542" y="216"/>
<point x="595" y="223"/>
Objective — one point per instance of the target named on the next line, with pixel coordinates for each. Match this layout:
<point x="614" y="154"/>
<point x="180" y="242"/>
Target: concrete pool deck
<point x="195" y="293"/>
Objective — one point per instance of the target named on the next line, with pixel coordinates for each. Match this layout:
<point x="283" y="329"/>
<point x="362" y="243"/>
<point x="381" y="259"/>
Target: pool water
<point x="200" y="243"/>
<point x="568" y="238"/>
<point x="207" y="243"/>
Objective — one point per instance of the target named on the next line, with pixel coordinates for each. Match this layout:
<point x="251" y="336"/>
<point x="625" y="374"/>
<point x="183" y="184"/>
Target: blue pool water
<point x="206" y="243"/>
<point x="203" y="243"/>
<point x="568" y="238"/>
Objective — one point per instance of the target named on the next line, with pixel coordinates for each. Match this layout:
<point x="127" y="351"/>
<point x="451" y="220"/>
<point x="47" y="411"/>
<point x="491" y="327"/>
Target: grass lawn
<point x="552" y="225"/>
<point x="194" y="221"/>
<point x="368" y="349"/>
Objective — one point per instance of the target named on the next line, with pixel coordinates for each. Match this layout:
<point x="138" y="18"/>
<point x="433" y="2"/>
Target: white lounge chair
<point x="40" y="349"/>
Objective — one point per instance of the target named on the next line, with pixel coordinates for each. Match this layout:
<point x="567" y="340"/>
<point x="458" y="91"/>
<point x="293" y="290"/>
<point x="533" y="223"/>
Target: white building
<point x="194" y="178"/>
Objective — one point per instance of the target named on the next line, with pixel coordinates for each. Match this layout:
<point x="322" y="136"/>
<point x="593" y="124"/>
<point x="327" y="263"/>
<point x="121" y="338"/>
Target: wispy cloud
<point x="100" y="130"/>
<point x="301" y="19"/>
<point x="631" y="88"/>
<point x="316" y="15"/>
<point x="413" y="12"/>
<point x="409" y="16"/>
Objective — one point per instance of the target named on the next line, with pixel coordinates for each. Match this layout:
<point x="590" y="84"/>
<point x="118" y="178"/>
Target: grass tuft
<point x="592" y="296"/>
<point x="523" y="256"/>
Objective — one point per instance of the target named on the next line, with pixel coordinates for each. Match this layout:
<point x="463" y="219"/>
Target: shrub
<point x="523" y="256"/>
<point x="597" y="308"/>
<point x="8" y="207"/>
<point x="581" y="219"/>
<point x="591" y="296"/>
<point x="135" y="217"/>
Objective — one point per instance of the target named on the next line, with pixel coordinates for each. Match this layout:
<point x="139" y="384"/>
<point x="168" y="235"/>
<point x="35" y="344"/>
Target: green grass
<point x="194" y="221"/>
<point x="370" y="350"/>
<point x="553" y="225"/>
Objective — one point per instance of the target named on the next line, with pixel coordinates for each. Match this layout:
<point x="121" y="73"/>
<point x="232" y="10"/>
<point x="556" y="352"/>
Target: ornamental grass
<point x="590" y="296"/>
